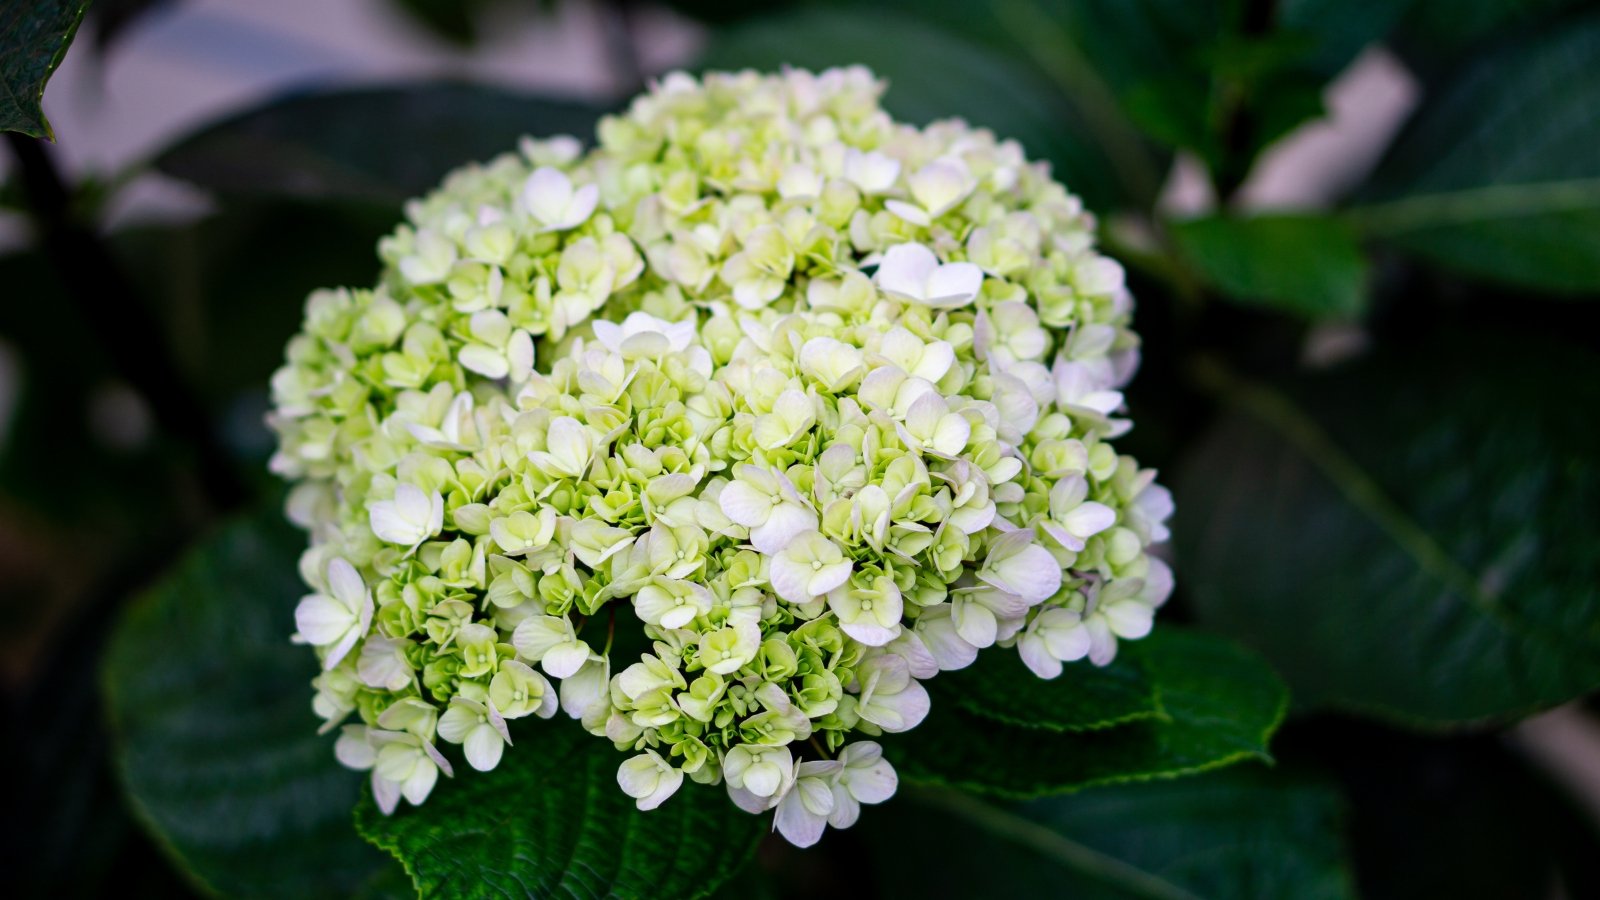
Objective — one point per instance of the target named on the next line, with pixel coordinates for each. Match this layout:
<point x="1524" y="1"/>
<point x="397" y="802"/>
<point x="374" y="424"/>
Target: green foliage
<point x="1085" y="698"/>
<point x="1434" y="35"/>
<point x="216" y="744"/>
<point x="1220" y="702"/>
<point x="1498" y="175"/>
<point x="342" y="145"/>
<point x="551" y="822"/>
<point x="1413" y="535"/>
<point x="1239" y="833"/>
<point x="1305" y="265"/>
<point x="34" y="36"/>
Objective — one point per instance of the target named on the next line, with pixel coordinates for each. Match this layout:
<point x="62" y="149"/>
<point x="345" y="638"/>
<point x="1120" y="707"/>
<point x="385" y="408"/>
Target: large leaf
<point x="1413" y="535"/>
<point x="1083" y="698"/>
<point x="217" y="744"/>
<point x="1308" y="265"/>
<point x="1240" y="833"/>
<point x="937" y="74"/>
<point x="1498" y="176"/>
<point x="1435" y="34"/>
<point x="1222" y="703"/>
<point x="550" y="821"/>
<point x="232" y="286"/>
<point x="1335" y="31"/>
<point x="380" y="145"/>
<point x="34" y="36"/>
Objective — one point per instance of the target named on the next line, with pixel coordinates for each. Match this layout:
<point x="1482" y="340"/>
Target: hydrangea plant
<point x="821" y="403"/>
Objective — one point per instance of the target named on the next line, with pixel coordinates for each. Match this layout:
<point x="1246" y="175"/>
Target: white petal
<point x="353" y="750"/>
<point x="1157" y="583"/>
<point x="948" y="647"/>
<point x="322" y="620"/>
<point x="1130" y="619"/>
<point x="898" y="712"/>
<point x="484" y="360"/>
<point x="798" y="825"/>
<point x="457" y="722"/>
<point x="340" y="650"/>
<point x="582" y="205"/>
<point x="417" y="788"/>
<point x="1102" y="643"/>
<point x="950" y="437"/>
<point x="609" y="334"/>
<point x="564" y="660"/>
<point x="937" y="358"/>
<point x="871" y="633"/>
<point x="389" y="525"/>
<point x="909" y="646"/>
<point x="789" y="579"/>
<point x="1031" y="573"/>
<point x="922" y="418"/>
<point x="483" y="748"/>
<point x="941" y="184"/>
<point x="953" y="285"/>
<point x="748" y="801"/>
<point x="1068" y="644"/>
<point x="869" y="777"/>
<point x="386" y="793"/>
<point x="825" y="579"/>
<point x="910" y="212"/>
<point x="344" y="582"/>
<point x="584" y="689"/>
<point x="547" y="193"/>
<point x="1036" y="656"/>
<point x="1089" y="519"/>
<point x="975" y="623"/>
<point x="668" y="785"/>
<point x="905" y="269"/>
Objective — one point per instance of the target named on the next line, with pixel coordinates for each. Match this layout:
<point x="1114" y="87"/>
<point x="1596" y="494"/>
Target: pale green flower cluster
<point x="822" y="406"/>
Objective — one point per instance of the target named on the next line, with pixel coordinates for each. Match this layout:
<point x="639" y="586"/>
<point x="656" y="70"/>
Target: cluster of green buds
<point x="800" y="404"/>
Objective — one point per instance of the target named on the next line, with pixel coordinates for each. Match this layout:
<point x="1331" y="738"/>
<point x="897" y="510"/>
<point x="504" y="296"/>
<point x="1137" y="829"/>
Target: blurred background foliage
<point x="1377" y="407"/>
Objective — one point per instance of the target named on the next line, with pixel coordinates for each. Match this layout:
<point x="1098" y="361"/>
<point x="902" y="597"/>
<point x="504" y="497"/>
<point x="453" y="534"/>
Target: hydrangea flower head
<point x="817" y="403"/>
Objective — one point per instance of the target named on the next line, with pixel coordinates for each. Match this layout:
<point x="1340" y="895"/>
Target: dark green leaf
<point x="935" y="74"/>
<point x="1498" y="176"/>
<point x="378" y="145"/>
<point x="1222" y="703"/>
<point x="33" y="39"/>
<point x="1084" y="698"/>
<point x="1413" y="535"/>
<point x="1337" y="30"/>
<point x="1308" y="265"/>
<point x="550" y="821"/>
<point x="1240" y="833"/>
<point x="217" y="744"/>
<point x="1435" y="34"/>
